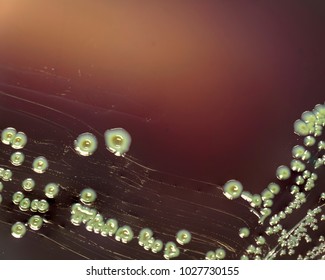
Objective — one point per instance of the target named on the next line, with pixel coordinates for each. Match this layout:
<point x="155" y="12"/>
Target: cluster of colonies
<point x="18" y="140"/>
<point x="84" y="213"/>
<point x="301" y="171"/>
<point x="118" y="142"/>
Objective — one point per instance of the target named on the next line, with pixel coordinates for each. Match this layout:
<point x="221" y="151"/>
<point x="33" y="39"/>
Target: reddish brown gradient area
<point x="222" y="81"/>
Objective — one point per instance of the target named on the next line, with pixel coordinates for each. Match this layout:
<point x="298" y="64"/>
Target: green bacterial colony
<point x="298" y="179"/>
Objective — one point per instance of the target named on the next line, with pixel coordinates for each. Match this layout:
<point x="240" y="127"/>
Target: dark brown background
<point x="208" y="89"/>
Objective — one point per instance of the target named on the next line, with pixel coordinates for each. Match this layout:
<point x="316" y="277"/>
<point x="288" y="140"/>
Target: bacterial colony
<point x="297" y="181"/>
